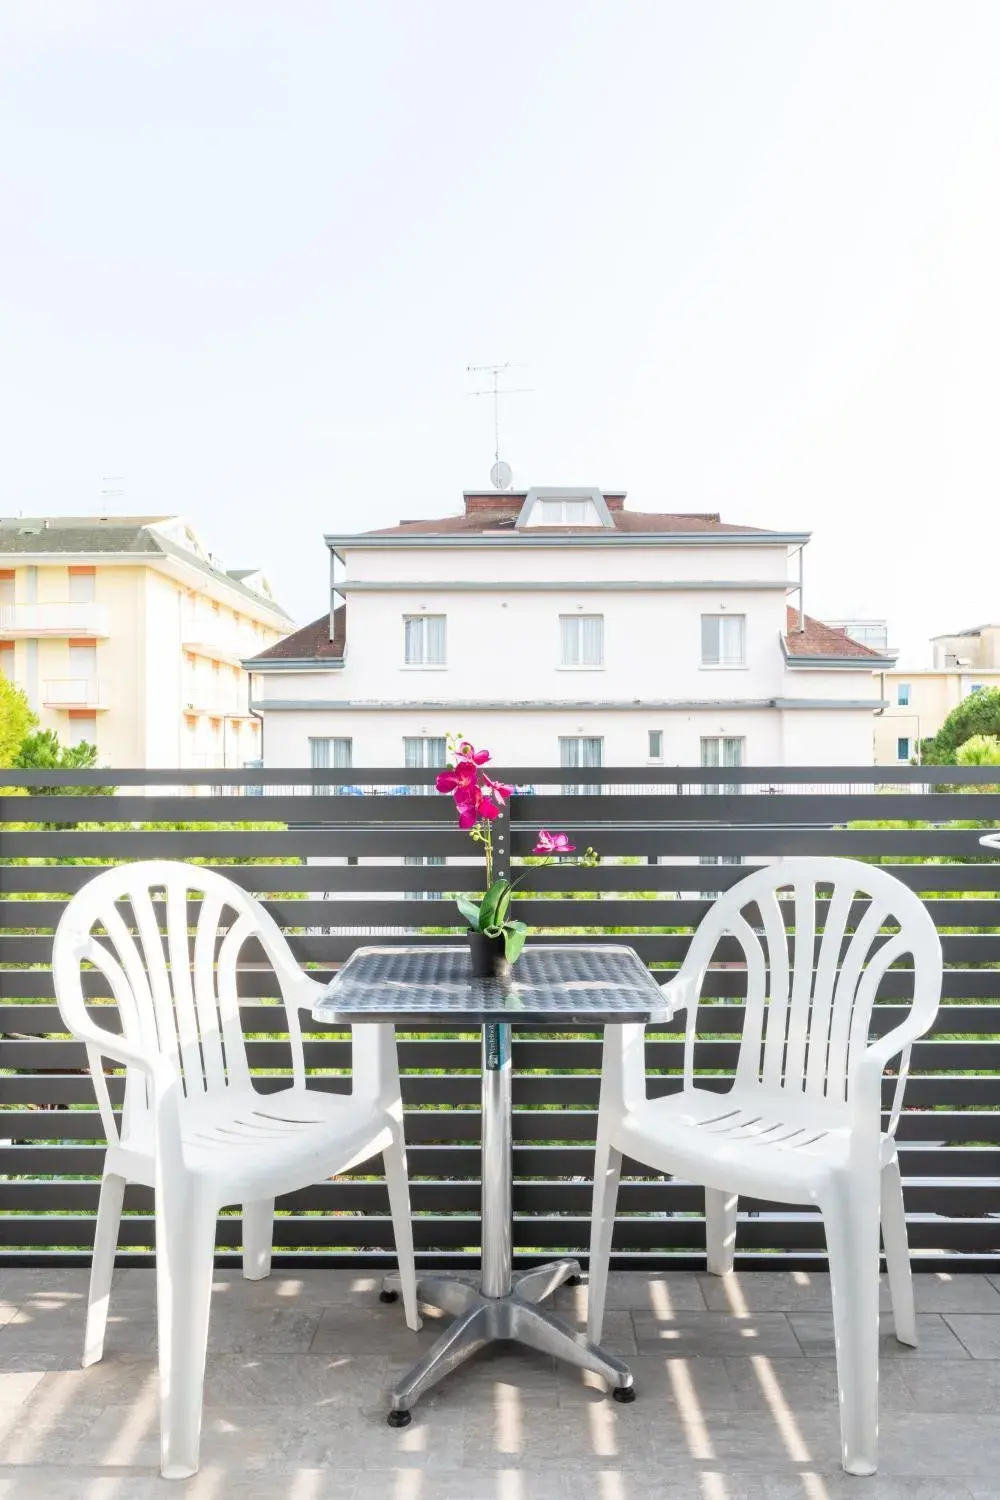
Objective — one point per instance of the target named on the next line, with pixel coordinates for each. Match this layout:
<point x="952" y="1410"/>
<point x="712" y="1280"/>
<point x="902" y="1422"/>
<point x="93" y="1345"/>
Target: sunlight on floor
<point x="780" y="1410"/>
<point x="141" y="1422"/>
<point x="689" y="1409"/>
<point x="507" y="1419"/>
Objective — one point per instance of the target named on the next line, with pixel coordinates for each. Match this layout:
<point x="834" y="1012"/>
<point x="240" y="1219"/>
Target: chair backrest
<point x="813" y="973"/>
<point x="174" y="982"/>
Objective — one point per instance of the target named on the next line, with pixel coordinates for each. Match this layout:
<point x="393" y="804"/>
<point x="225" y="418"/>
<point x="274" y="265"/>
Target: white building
<point x="557" y="627"/>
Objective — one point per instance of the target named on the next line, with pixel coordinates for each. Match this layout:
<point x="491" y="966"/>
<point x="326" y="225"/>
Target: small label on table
<point x="497" y="1048"/>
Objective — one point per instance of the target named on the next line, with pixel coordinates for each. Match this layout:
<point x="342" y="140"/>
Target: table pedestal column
<point x="501" y="1305"/>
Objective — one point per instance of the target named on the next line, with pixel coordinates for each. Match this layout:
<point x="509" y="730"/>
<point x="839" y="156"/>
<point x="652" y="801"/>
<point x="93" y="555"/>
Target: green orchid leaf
<point x="488" y="910"/>
<point x="503" y="908"/>
<point x="470" y="911"/>
<point x="515" y="934"/>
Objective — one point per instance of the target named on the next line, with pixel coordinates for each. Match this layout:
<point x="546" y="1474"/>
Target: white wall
<point x="526" y="737"/>
<point x="509" y="648"/>
<point x="589" y="562"/>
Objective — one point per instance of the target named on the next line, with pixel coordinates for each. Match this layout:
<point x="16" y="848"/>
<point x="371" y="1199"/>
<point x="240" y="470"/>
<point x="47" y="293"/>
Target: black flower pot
<point x="488" y="956"/>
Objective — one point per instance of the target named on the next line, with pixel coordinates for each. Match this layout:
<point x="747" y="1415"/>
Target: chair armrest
<point x="680" y="992"/>
<point x="866" y="1089"/>
<point x="112" y="1044"/>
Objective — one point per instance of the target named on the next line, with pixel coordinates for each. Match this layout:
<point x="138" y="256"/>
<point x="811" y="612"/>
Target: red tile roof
<point x="312" y="642"/>
<point x="485" y="513"/>
<point x="818" y="639"/>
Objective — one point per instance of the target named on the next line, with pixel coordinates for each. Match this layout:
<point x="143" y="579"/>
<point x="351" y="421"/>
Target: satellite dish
<point x="501" y="475"/>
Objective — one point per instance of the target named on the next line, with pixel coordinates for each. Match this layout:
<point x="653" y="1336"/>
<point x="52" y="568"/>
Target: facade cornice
<point x="470" y="705"/>
<point x="563" y="586"/>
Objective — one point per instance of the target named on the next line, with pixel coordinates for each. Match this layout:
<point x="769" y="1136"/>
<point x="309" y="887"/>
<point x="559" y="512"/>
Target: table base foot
<point x="479" y="1321"/>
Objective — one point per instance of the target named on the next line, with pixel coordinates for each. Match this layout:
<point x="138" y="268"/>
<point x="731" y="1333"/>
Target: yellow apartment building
<point x="126" y="632"/>
<point x="919" y="699"/>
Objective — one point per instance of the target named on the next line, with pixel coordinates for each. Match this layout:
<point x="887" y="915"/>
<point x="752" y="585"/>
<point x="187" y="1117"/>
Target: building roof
<point x="494" y="512"/>
<point x="117" y="536"/>
<point x="823" y="642"/>
<point x="949" y="635"/>
<point x="312" y="643"/>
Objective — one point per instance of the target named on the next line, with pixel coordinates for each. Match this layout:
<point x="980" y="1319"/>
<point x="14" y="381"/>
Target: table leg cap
<point x="624" y="1393"/>
<point x="399" y="1419"/>
<point x="388" y="1296"/>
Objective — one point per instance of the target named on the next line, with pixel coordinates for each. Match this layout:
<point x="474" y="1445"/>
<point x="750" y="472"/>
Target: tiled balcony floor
<point x="737" y="1397"/>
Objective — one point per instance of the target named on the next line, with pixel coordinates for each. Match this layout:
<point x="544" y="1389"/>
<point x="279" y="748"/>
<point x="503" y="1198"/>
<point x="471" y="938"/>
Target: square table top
<point x="557" y="985"/>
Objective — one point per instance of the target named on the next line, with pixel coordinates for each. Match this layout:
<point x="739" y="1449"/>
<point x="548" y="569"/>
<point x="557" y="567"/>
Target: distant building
<point x="918" y="700"/>
<point x="125" y="632"/>
<point x="560" y="628"/>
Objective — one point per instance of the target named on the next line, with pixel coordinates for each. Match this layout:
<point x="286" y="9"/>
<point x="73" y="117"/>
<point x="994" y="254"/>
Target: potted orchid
<point x="495" y="937"/>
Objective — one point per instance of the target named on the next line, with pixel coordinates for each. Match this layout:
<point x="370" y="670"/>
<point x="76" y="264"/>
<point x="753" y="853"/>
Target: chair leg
<point x="720" y="1229"/>
<point x="897" y="1255"/>
<point x="607" y="1171"/>
<point x="185" y="1258"/>
<point x="109" y="1212"/>
<point x="851" y="1217"/>
<point x="258" y="1232"/>
<point x="394" y="1159"/>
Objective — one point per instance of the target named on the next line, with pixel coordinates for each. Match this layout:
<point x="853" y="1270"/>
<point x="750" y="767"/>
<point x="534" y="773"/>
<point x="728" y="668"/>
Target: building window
<point x="723" y="640"/>
<point x="903" y="747"/>
<point x="82" y="659"/>
<point x="424" y="640"/>
<point x="564" y="513"/>
<point x="902" y="695"/>
<point x="81" y="585"/>
<point x="7" y="586"/>
<point x="7" y="660"/>
<point x="420" y="752"/>
<point x="722" y="750"/>
<point x="976" y="687"/>
<point x="582" y="640"/>
<point x="82" y="729"/>
<point x="588" y="751"/>
<point x="329" y="754"/>
<point x="655" y="749"/>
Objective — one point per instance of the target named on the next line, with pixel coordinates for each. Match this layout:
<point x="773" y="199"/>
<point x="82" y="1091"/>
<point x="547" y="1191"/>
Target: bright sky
<point x="749" y="255"/>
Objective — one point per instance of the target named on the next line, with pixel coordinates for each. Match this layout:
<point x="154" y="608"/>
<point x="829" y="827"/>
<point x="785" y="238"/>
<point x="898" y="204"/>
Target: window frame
<point x="581" y="789"/>
<point x="903" y="739"/>
<point x="724" y="665"/>
<point x="903" y="690"/>
<point x="580" y="666"/>
<point x="425" y="665"/>
<point x="654" y="736"/>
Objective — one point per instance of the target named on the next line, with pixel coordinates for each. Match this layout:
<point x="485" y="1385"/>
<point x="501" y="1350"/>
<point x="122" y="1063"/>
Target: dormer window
<point x="564" y="513"/>
<point x="560" y="507"/>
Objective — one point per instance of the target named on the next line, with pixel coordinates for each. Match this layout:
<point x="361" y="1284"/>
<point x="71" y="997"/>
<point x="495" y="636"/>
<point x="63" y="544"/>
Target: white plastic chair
<point x="802" y="1122"/>
<point x="194" y="1128"/>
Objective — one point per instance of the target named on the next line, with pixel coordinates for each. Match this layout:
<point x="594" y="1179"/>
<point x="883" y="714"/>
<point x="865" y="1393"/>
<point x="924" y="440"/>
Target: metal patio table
<point x="558" y="987"/>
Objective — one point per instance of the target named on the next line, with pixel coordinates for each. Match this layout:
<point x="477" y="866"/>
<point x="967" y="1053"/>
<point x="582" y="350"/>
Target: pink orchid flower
<point x="467" y="753"/>
<point x="462" y="777"/>
<point x="553" y="843"/>
<point x="497" y="789"/>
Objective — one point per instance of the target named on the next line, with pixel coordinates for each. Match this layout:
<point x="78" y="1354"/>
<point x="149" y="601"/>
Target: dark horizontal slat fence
<point x="329" y="864"/>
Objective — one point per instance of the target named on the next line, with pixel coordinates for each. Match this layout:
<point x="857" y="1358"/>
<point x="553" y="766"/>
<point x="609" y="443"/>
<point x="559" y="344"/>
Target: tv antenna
<point x="501" y="476"/>
<point x="112" y="490"/>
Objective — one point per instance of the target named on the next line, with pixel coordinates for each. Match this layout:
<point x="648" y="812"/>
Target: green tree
<point x="980" y="750"/>
<point x="16" y="720"/>
<point x="42" y="751"/>
<point x="977" y="715"/>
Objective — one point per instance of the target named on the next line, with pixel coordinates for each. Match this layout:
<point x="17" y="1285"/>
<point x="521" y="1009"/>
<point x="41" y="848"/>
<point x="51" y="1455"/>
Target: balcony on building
<point x="66" y="618"/>
<point x="75" y="692"/>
